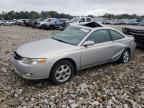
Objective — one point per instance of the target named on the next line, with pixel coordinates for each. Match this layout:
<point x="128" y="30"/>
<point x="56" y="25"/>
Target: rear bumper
<point x="31" y="71"/>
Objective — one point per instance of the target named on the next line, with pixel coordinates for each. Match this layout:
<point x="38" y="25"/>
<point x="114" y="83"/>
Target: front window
<point x="47" y="20"/>
<point x="72" y="35"/>
<point x="82" y="20"/>
<point x="88" y="19"/>
<point x="115" y="35"/>
<point x="62" y="20"/>
<point x="40" y="19"/>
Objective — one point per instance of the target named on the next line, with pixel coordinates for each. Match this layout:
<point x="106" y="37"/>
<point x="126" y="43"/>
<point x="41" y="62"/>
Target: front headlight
<point x="31" y="61"/>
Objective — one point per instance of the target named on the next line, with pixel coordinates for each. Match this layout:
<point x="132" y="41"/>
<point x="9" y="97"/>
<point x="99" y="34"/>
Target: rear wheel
<point x="125" y="57"/>
<point x="62" y="72"/>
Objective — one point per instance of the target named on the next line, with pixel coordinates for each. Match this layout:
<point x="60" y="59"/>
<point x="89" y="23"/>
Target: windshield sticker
<point x="85" y="30"/>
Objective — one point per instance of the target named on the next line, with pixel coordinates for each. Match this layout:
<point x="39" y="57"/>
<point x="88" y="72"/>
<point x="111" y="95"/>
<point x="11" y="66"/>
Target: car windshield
<point x="75" y="19"/>
<point x="61" y="20"/>
<point x="72" y="35"/>
<point x="47" y="20"/>
<point x="40" y="19"/>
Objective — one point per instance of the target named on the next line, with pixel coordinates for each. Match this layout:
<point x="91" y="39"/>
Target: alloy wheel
<point x="63" y="73"/>
<point x="126" y="57"/>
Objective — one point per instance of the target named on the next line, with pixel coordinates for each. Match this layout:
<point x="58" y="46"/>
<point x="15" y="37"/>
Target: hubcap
<point x="63" y="73"/>
<point x="126" y="57"/>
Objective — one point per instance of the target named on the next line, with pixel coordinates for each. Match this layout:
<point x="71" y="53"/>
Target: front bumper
<point x="31" y="71"/>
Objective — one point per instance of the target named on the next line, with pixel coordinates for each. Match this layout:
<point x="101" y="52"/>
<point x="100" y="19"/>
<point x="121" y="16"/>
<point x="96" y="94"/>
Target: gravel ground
<point x="106" y="86"/>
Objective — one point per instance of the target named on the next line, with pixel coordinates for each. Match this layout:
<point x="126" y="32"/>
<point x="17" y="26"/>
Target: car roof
<point x="91" y="25"/>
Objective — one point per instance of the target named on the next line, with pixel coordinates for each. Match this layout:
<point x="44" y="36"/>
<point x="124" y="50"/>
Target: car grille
<point x="17" y="56"/>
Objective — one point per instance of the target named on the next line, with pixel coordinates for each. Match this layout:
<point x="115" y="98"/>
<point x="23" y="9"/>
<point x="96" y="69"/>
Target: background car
<point x="40" y="23"/>
<point x="78" y="20"/>
<point x="1" y="22"/>
<point x="37" y="21"/>
<point x="8" y="23"/>
<point x="54" y="23"/>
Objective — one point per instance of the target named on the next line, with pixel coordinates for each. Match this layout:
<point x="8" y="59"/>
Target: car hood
<point x="42" y="22"/>
<point x="43" y="48"/>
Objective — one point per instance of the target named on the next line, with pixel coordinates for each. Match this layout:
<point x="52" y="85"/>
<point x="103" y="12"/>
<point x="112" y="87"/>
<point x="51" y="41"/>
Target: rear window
<point x="115" y="35"/>
<point x="99" y="36"/>
<point x="88" y="19"/>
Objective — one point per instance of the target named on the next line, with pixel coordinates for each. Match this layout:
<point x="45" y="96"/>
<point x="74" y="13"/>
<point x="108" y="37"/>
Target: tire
<point x="62" y="72"/>
<point x="43" y="26"/>
<point x="125" y="57"/>
<point x="51" y="27"/>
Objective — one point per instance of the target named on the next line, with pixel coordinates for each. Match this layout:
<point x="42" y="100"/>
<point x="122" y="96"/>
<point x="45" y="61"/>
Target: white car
<point x="40" y="23"/>
<point x="1" y="22"/>
<point x="8" y="23"/>
<point x="77" y="20"/>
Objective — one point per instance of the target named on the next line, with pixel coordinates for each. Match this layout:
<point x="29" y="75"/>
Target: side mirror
<point x="88" y="43"/>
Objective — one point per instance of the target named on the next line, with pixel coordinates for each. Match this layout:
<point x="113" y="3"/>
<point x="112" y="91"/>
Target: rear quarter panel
<point x="121" y="45"/>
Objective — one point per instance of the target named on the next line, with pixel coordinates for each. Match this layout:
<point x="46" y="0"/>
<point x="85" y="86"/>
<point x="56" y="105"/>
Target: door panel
<point x="119" y="42"/>
<point x="96" y="54"/>
<point x="118" y="48"/>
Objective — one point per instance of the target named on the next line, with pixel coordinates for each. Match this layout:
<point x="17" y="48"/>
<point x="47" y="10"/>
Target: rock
<point x="142" y="77"/>
<point x="74" y="105"/>
<point x="32" y="99"/>
<point x="16" y="95"/>
<point x="95" y="103"/>
<point x="126" y="106"/>
<point x="71" y="101"/>
<point x="18" y="92"/>
<point x="81" y="99"/>
<point x="4" y="70"/>
<point x="46" y="101"/>
<point x="82" y="88"/>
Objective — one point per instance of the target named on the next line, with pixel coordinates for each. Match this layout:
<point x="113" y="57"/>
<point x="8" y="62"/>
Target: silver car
<point x="78" y="47"/>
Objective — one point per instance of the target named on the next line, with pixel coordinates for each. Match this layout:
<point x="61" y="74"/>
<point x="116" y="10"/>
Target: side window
<point x="49" y="20"/>
<point x="82" y="20"/>
<point x="99" y="36"/>
<point x="88" y="19"/>
<point x="115" y="35"/>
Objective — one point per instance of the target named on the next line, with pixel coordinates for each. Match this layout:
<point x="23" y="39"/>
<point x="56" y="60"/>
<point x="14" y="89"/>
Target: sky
<point x="75" y="7"/>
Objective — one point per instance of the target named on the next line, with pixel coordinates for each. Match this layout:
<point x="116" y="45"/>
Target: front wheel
<point x="62" y="72"/>
<point x="43" y="26"/>
<point x="51" y="27"/>
<point x="125" y="57"/>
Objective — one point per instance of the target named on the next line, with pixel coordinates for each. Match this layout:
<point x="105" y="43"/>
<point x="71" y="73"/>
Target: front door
<point x="100" y="52"/>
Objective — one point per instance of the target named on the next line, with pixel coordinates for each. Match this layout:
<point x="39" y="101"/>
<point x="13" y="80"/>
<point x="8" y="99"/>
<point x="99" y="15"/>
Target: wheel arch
<point x="128" y="49"/>
<point x="69" y="59"/>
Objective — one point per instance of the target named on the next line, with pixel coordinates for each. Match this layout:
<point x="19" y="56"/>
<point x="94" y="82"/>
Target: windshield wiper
<point x="60" y="40"/>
